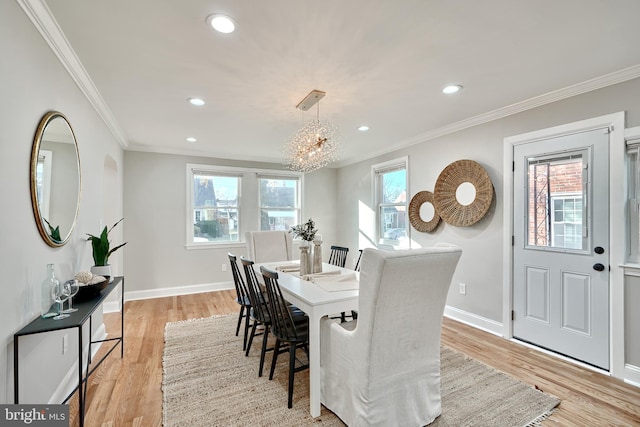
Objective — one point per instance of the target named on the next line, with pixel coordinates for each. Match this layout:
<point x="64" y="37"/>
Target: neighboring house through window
<point x="279" y="202"/>
<point x="225" y="202"/>
<point x="216" y="206"/>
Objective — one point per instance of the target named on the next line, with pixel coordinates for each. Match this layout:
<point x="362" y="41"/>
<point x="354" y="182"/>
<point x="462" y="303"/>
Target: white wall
<point x="158" y="263"/>
<point x="32" y="82"/>
<point x="481" y="266"/>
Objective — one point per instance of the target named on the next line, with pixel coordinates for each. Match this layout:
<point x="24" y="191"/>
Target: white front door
<point x="561" y="245"/>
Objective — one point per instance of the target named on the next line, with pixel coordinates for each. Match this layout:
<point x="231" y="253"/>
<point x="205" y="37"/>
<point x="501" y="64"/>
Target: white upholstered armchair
<point x="269" y="246"/>
<point x="384" y="368"/>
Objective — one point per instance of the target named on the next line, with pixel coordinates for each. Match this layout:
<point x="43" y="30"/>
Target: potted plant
<point x="102" y="250"/>
<point x="306" y="231"/>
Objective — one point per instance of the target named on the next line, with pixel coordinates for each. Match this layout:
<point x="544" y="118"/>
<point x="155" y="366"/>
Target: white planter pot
<point x="102" y="270"/>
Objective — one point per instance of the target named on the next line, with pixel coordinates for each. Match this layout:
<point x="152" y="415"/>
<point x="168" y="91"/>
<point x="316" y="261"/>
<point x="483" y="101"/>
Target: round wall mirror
<point x="422" y="212"/>
<point x="466" y="193"/>
<point x="463" y="193"/>
<point x="55" y="179"/>
<point x="427" y="211"/>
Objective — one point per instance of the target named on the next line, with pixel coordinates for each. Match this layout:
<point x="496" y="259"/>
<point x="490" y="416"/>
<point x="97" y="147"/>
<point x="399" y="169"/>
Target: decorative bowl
<point x="88" y="292"/>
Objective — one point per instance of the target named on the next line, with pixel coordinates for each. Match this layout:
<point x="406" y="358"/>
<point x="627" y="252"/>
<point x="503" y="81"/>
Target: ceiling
<point x="381" y="63"/>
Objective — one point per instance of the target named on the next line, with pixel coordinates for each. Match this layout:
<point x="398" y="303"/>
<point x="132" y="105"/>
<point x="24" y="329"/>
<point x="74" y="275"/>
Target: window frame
<point x="377" y="171"/>
<point x="633" y="200"/>
<point x="558" y="159"/>
<point x="248" y="200"/>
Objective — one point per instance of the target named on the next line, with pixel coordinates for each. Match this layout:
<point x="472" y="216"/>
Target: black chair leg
<point x="276" y="350"/>
<point x="240" y="315"/>
<point x="292" y="368"/>
<point x="253" y="333"/>
<point x="246" y="328"/>
<point x="265" y="336"/>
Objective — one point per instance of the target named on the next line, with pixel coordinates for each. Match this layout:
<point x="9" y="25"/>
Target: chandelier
<point x="315" y="145"/>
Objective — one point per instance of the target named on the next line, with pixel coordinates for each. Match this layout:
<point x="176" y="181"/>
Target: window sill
<point x="631" y="269"/>
<point x="212" y="245"/>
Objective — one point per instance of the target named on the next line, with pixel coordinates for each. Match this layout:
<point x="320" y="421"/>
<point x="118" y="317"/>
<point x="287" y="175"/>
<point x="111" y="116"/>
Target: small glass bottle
<point x="46" y="300"/>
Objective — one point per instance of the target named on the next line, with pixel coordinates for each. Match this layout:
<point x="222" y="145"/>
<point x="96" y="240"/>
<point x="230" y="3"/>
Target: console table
<point x="75" y="320"/>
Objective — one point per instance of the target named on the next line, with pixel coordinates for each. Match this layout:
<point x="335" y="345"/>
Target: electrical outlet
<point x="463" y="289"/>
<point x="65" y="343"/>
<point x="224" y="267"/>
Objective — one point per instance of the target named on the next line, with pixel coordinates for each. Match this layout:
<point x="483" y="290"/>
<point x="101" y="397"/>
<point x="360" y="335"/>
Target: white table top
<point x="307" y="291"/>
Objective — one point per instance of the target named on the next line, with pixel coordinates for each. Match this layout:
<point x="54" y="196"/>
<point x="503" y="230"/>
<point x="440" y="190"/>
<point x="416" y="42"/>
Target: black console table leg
<point x="16" y="395"/>
<point x="80" y="379"/>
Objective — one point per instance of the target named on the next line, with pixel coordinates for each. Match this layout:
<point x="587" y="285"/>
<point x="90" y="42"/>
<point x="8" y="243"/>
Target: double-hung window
<point x="225" y="202"/>
<point x="279" y="201"/>
<point x="390" y="194"/>
<point x="214" y="210"/>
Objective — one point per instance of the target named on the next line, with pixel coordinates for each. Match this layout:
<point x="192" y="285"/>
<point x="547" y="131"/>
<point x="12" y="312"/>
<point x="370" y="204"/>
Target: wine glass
<point x="59" y="295"/>
<point x="71" y="287"/>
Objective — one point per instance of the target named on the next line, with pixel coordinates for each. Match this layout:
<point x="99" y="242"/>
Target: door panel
<point x="537" y="294"/>
<point x="576" y="304"/>
<point x="560" y="214"/>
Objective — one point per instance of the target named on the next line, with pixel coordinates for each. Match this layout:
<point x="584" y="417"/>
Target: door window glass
<point x="556" y="208"/>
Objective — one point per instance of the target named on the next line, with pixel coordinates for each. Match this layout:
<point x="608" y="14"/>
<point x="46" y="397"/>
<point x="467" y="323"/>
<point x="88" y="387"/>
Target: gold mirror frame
<point x="416" y="220"/>
<point x="446" y="203"/>
<point x="54" y="137"/>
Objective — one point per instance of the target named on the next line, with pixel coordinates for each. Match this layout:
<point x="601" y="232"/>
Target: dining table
<point x="330" y="294"/>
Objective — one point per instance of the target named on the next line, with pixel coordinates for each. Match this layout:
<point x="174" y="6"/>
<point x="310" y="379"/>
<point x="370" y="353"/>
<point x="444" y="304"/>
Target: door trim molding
<point x="617" y="224"/>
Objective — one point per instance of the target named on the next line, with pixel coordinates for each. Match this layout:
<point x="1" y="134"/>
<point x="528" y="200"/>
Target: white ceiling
<point x="381" y="63"/>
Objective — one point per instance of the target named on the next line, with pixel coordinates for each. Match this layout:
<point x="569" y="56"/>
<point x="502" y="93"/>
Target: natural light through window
<point x="390" y="189"/>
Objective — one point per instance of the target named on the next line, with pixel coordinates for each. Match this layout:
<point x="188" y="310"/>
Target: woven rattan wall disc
<point x="446" y="203"/>
<point x="417" y="201"/>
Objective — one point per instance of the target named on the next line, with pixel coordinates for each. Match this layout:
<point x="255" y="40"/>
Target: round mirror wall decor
<point x="55" y="179"/>
<point x="418" y="201"/>
<point x="463" y="193"/>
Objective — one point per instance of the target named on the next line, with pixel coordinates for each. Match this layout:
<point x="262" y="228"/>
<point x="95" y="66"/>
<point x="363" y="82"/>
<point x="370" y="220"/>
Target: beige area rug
<point x="208" y="381"/>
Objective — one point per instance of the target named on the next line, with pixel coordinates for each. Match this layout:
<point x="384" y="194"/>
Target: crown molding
<point x="41" y="17"/>
<point x="610" y="79"/>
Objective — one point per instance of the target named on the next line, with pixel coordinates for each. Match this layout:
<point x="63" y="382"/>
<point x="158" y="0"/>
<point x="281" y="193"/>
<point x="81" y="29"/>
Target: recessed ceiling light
<point x="190" y="139"/>
<point x="196" y="101"/>
<point x="452" y="89"/>
<point x="363" y="128"/>
<point x="221" y="23"/>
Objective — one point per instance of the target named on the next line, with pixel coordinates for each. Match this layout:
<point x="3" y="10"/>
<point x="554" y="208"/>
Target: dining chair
<point x="259" y="311"/>
<point x="269" y="246"/>
<point x="384" y="368"/>
<point x="338" y="256"/>
<point x="242" y="298"/>
<point x="357" y="267"/>
<point x="287" y="329"/>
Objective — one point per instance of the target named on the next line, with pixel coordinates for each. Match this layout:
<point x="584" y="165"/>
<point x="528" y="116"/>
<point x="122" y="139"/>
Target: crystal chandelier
<point x="315" y="145"/>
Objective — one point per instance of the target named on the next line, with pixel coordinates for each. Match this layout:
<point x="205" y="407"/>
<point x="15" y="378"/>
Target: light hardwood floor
<point x="127" y="392"/>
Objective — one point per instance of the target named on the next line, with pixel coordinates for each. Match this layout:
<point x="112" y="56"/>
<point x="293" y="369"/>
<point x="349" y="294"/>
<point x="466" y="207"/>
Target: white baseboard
<point x="70" y="380"/>
<point x="632" y="375"/>
<point x="474" y="320"/>
<point x="111" y="307"/>
<point x="178" y="290"/>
